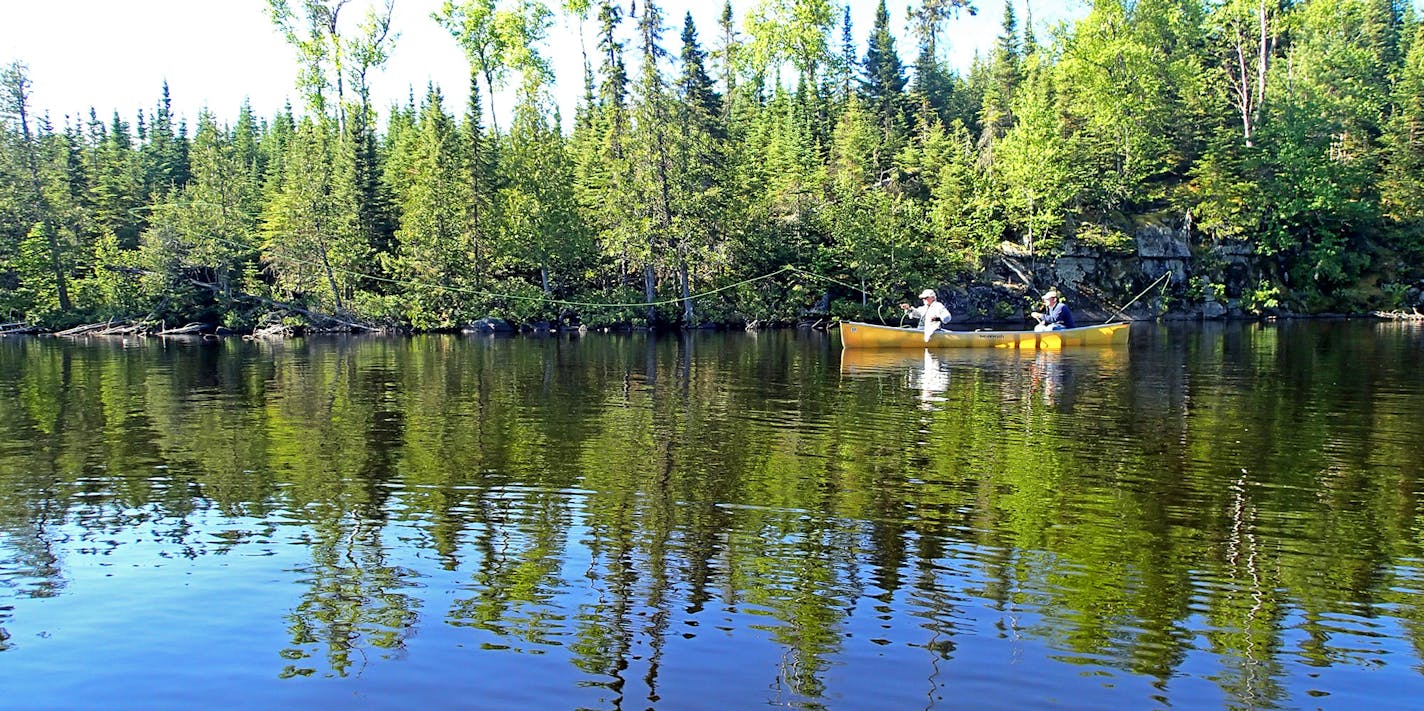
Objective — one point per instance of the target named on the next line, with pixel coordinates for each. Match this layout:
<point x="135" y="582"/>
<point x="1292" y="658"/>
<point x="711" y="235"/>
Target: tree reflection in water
<point x="652" y="513"/>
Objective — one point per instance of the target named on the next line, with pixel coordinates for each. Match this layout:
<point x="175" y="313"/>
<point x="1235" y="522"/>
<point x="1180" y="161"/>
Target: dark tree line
<point x="1294" y="130"/>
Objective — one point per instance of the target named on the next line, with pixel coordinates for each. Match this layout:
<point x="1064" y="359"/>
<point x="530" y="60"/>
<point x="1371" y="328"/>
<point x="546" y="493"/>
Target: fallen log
<point x="84" y="329"/>
<point x="188" y="330"/>
<point x="1411" y="315"/>
<point x="319" y="317"/>
<point x="128" y="328"/>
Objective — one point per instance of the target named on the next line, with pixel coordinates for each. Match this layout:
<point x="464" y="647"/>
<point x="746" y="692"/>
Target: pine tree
<point x="481" y="178"/>
<point x="213" y="228"/>
<point x="118" y="185"/>
<point x="846" y="63"/>
<point x="931" y="82"/>
<point x="536" y="198"/>
<point x="164" y="151"/>
<point x="605" y="171"/>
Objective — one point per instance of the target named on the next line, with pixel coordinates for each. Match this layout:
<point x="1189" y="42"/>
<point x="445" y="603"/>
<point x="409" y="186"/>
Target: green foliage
<point x="112" y="290"/>
<point x="1106" y="237"/>
<point x="1263" y="298"/>
<point x="687" y="174"/>
<point x="1396" y="295"/>
<point x="1201" y="289"/>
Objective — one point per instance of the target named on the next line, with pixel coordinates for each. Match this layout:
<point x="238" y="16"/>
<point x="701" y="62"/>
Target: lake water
<point x="1227" y="515"/>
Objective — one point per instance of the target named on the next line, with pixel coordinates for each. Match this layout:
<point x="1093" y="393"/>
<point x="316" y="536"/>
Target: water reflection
<point x="921" y="369"/>
<point x="1220" y="516"/>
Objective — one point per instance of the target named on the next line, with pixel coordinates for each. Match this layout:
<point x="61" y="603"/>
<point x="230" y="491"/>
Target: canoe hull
<point x="869" y="335"/>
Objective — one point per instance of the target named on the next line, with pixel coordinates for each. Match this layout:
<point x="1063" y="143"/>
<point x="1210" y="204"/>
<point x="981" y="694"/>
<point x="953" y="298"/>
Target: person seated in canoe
<point x="932" y="312"/>
<point x="1058" y="316"/>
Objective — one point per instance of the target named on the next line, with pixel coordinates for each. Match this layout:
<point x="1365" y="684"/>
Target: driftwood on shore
<point x="19" y="328"/>
<point x="319" y="320"/>
<point x="1411" y="315"/>
<point x="188" y="330"/>
<point x="85" y="329"/>
<point x="276" y="330"/>
<point x="127" y="328"/>
<point x="109" y="328"/>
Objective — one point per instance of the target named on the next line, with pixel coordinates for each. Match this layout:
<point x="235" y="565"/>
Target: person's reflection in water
<point x="934" y="380"/>
<point x="1052" y="376"/>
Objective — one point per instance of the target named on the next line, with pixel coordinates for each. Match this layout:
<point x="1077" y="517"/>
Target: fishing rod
<point x="1150" y="287"/>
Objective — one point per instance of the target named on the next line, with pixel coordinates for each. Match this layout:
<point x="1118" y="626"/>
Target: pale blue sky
<point x="113" y="55"/>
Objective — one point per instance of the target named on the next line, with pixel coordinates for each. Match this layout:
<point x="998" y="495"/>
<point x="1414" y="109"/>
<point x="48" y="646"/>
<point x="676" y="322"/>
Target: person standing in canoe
<point x="932" y="312"/>
<point x="1058" y="316"/>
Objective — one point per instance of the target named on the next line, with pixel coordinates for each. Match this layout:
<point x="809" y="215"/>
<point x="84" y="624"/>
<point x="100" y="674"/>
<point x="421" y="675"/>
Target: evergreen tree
<point x="847" y="62"/>
<point x="605" y="166"/>
<point x="313" y="245"/>
<point x="541" y="230"/>
<point x="164" y="151"/>
<point x="15" y="84"/>
<point x="695" y="85"/>
<point x="118" y="185"/>
<point x="1402" y="183"/>
<point x="207" y="228"/>
<point x="1035" y="173"/>
<point x="481" y="179"/>
<point x="726" y="54"/>
<point x="652" y="157"/>
<point x="884" y="87"/>
<point x="996" y="115"/>
<point x="432" y="259"/>
<point x="932" y="82"/>
<point x="698" y="165"/>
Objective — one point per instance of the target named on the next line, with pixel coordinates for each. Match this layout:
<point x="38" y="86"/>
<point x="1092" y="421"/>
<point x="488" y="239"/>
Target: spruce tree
<point x="652" y="157"/>
<point x="883" y="87"/>
<point x="431" y="258"/>
<point x="16" y="85"/>
<point x="932" y="83"/>
<point x="1402" y="183"/>
<point x="996" y="116"/>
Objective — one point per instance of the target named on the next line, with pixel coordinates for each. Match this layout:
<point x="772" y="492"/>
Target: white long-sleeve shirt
<point x="933" y="310"/>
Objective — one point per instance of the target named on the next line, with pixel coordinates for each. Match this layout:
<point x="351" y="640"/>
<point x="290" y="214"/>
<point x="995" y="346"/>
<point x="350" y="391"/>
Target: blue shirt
<point x="1060" y="315"/>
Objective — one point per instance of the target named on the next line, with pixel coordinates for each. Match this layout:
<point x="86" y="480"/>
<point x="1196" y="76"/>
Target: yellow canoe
<point x="869" y="335"/>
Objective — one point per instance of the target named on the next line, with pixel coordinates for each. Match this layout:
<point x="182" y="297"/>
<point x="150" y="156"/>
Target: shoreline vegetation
<point x="1268" y="154"/>
<point x="488" y="326"/>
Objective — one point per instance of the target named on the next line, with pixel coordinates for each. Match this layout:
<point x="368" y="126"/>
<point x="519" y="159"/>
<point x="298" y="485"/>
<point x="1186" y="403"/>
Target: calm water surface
<point x="1218" y="516"/>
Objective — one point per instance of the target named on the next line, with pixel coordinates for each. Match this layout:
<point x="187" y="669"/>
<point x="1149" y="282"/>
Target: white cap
<point x="1051" y="294"/>
<point x="927" y="294"/>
